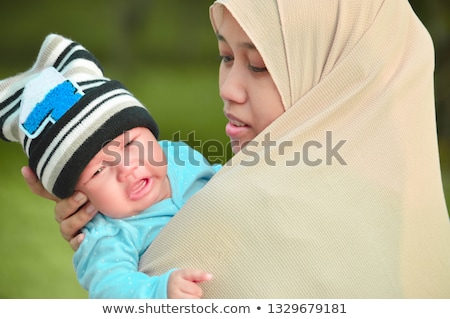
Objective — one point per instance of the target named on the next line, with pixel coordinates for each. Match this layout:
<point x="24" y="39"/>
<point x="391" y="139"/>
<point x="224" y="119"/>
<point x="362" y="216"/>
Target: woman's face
<point x="251" y="99"/>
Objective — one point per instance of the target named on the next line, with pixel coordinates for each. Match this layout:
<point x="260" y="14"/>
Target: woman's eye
<point x="225" y="58"/>
<point x="256" y="69"/>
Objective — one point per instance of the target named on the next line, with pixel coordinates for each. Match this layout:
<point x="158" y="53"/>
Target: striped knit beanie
<point x="63" y="111"/>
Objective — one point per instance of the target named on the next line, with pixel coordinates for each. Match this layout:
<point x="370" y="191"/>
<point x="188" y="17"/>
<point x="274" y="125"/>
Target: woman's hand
<point x="35" y="184"/>
<point x="72" y="213"/>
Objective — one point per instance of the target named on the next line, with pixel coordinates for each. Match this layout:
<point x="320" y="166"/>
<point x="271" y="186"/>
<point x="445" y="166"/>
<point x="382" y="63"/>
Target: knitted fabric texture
<point x="63" y="111"/>
<point x="374" y="225"/>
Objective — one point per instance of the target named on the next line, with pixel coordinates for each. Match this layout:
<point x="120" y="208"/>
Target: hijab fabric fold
<point x="349" y="202"/>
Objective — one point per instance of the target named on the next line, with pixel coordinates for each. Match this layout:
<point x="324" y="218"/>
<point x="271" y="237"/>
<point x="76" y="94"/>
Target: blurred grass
<point x="444" y="154"/>
<point x="36" y="262"/>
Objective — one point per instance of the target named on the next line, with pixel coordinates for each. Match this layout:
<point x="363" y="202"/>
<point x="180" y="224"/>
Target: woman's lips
<point x="235" y="128"/>
<point x="234" y="131"/>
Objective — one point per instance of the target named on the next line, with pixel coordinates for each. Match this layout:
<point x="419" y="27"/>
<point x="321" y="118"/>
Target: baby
<point x="85" y="132"/>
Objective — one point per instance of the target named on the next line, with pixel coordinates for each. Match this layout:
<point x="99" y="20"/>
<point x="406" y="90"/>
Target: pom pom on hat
<point x="63" y="111"/>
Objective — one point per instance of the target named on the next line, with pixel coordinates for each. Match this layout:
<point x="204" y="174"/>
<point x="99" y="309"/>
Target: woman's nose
<point x="232" y="84"/>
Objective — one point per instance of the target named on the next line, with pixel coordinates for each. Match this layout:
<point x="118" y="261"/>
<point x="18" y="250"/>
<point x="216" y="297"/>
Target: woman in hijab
<point x="335" y="191"/>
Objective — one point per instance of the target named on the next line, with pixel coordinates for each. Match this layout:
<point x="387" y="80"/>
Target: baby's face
<point x="128" y="175"/>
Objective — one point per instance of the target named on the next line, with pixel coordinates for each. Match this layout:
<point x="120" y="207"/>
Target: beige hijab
<point x="357" y="213"/>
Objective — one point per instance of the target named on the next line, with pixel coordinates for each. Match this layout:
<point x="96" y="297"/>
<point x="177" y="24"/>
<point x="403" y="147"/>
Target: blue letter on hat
<point x="53" y="107"/>
<point x="46" y="99"/>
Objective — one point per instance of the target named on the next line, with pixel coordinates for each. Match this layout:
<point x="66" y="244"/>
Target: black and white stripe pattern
<point x="68" y="57"/>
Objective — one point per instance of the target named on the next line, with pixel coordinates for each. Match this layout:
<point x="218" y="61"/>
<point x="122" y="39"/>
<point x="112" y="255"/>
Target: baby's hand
<point x="183" y="283"/>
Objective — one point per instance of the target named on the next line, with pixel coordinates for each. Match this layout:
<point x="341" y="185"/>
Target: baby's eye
<point x="129" y="143"/>
<point x="98" y="171"/>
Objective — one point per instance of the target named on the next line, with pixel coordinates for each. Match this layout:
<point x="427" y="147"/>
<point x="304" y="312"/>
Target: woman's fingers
<point x="72" y="214"/>
<point x="35" y="185"/>
<point x="75" y="242"/>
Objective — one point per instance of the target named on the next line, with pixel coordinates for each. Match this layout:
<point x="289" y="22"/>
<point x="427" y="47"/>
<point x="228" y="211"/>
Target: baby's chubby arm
<point x="106" y="264"/>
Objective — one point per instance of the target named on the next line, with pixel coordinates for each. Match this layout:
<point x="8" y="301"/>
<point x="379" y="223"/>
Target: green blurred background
<point x="165" y="53"/>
